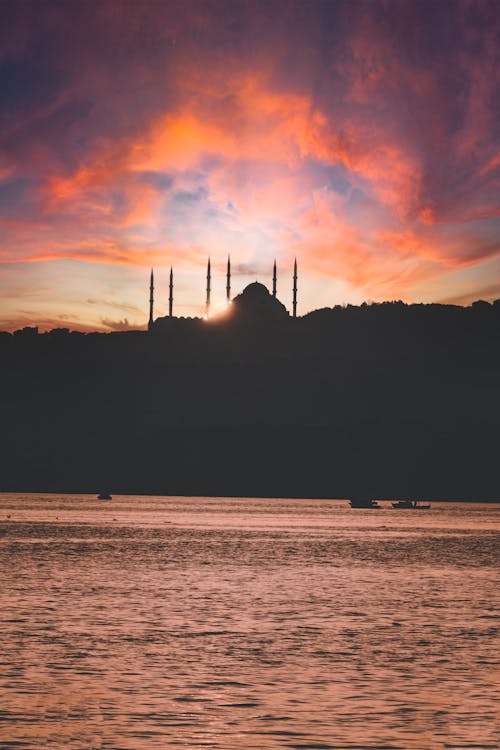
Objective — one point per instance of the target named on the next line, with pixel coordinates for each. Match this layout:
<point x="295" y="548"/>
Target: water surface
<point x="246" y="623"/>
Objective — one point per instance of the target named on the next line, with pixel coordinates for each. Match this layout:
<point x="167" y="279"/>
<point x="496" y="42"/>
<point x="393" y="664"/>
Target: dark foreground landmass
<point x="385" y="400"/>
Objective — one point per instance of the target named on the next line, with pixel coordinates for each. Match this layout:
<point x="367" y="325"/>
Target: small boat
<point x="104" y="496"/>
<point x="410" y="505"/>
<point x="362" y="502"/>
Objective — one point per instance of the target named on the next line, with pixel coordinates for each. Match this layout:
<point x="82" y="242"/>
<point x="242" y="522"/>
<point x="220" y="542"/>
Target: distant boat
<point x="104" y="496"/>
<point x="410" y="505"/>
<point x="363" y="503"/>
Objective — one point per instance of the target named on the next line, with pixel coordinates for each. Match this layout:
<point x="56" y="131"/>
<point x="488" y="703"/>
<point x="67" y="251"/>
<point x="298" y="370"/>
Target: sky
<point x="361" y="138"/>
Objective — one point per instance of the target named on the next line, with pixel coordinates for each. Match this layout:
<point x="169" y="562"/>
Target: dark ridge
<point x="386" y="400"/>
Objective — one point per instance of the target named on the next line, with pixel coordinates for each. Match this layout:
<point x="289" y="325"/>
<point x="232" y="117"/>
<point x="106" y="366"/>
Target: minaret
<point x="295" y="288"/>
<point x="171" y="293"/>
<point x="151" y="300"/>
<point x="228" y="280"/>
<point x="208" y="288"/>
<point x="274" y="278"/>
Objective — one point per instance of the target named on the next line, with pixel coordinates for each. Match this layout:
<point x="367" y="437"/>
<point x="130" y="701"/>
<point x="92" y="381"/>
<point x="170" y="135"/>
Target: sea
<point x="142" y="623"/>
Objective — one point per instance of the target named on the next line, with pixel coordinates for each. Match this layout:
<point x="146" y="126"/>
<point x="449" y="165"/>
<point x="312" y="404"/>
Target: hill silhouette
<point x="386" y="400"/>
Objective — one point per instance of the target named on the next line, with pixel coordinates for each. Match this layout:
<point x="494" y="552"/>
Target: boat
<point x="104" y="496"/>
<point x="410" y="505"/>
<point x="363" y="502"/>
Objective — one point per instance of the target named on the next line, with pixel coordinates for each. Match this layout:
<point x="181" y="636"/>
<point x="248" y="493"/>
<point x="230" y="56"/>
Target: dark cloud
<point x="251" y="269"/>
<point x="16" y="197"/>
<point x="187" y="198"/>
<point x="124" y="306"/>
<point x="158" y="180"/>
<point x="119" y="325"/>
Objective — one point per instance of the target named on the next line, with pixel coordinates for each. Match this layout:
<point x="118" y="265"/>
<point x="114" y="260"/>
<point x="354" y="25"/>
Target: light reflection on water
<point x="174" y="622"/>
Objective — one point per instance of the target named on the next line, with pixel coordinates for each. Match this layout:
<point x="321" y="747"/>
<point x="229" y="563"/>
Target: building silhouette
<point x="171" y="294"/>
<point x="151" y="300"/>
<point x="255" y="302"/>
<point x="295" y="288"/>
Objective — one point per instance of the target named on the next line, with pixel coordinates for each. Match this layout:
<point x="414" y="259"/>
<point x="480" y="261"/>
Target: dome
<point x="255" y="290"/>
<point x="256" y="303"/>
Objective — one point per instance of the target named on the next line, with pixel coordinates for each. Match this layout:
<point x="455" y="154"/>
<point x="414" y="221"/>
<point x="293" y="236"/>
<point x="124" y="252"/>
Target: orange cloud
<point x="277" y="129"/>
<point x="99" y="251"/>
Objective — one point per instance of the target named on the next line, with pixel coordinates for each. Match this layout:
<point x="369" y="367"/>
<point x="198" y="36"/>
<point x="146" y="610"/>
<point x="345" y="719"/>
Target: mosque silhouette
<point x="254" y="303"/>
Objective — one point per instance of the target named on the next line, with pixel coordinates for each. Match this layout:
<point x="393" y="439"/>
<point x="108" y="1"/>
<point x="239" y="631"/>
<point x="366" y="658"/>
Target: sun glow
<point x="219" y="313"/>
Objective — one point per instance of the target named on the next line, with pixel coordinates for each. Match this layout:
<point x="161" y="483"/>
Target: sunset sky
<point x="362" y="138"/>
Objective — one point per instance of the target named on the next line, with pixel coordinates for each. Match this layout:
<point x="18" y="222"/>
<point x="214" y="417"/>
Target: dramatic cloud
<point x="360" y="138"/>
